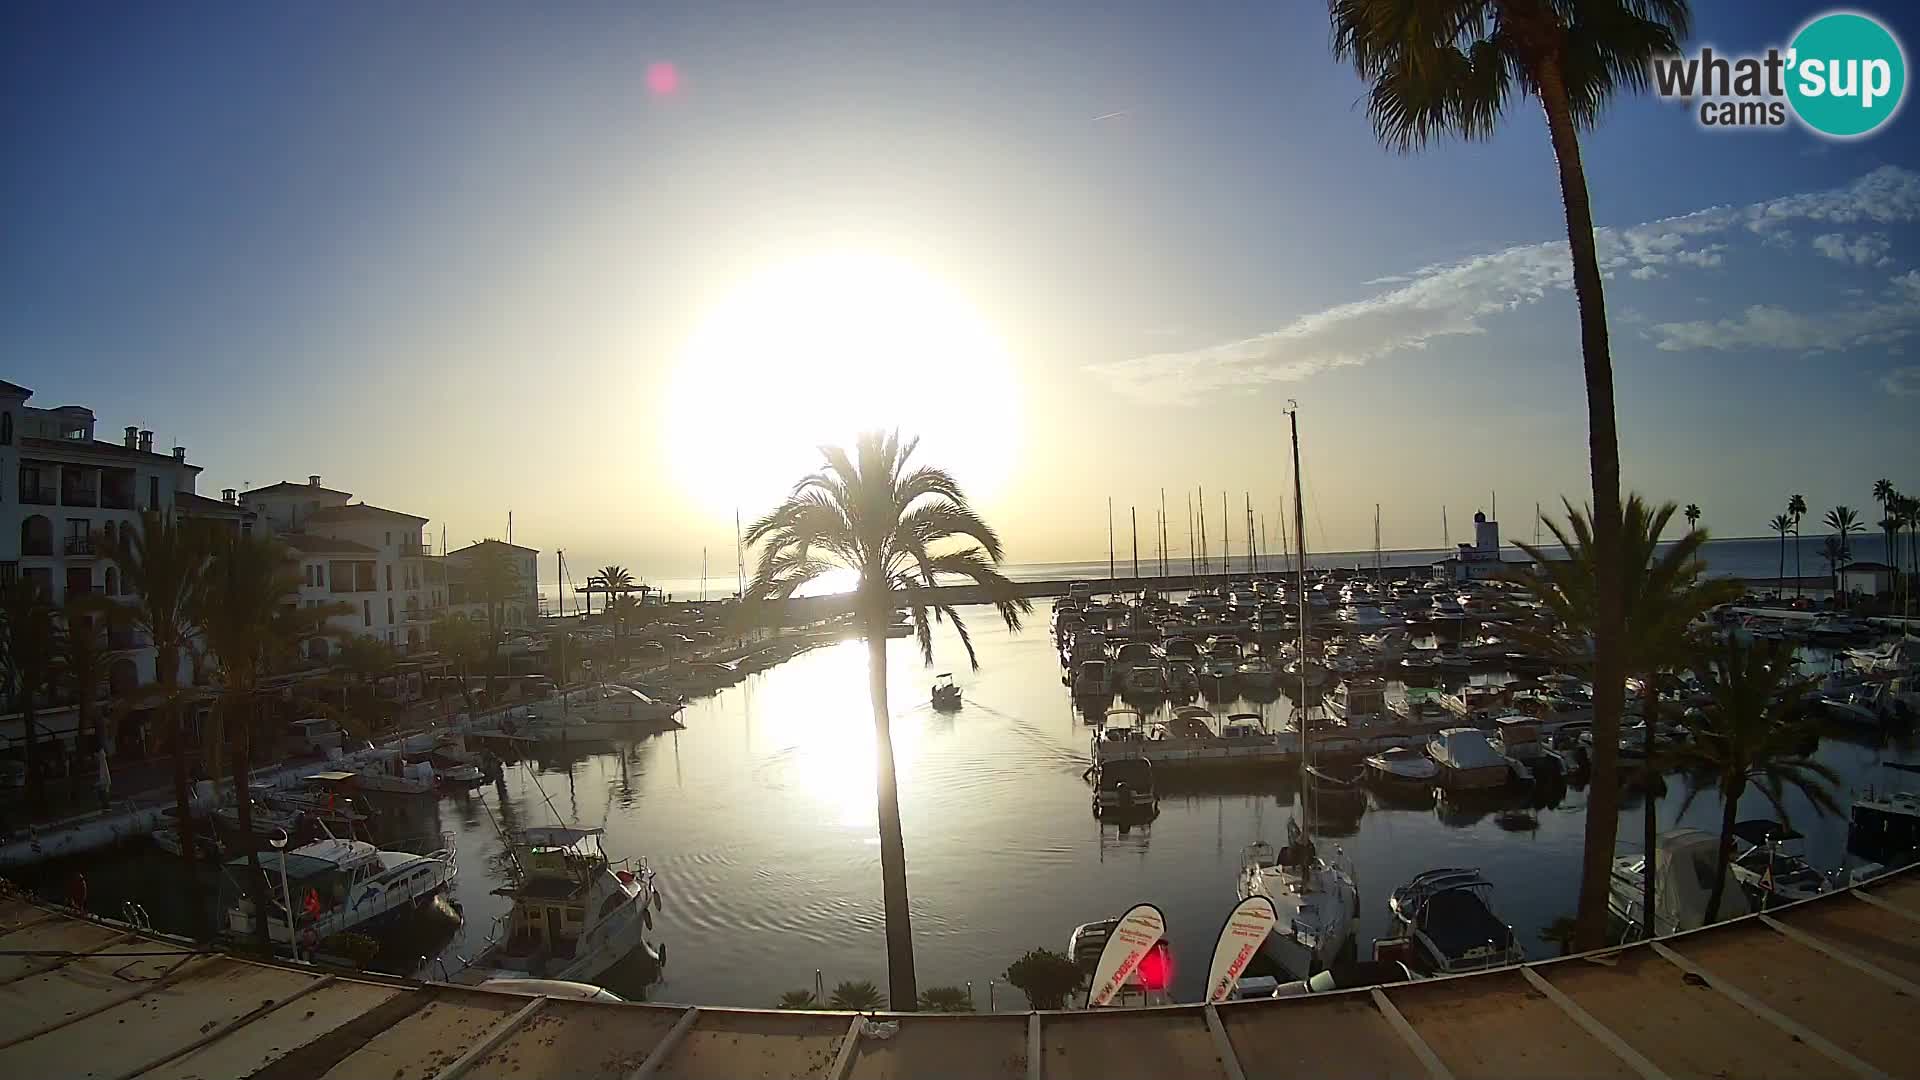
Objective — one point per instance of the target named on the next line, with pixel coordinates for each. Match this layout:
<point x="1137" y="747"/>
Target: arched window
<point x="6" y="429"/>
<point x="113" y="582"/>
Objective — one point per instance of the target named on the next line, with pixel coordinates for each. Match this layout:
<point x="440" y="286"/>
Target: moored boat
<point x="575" y="912"/>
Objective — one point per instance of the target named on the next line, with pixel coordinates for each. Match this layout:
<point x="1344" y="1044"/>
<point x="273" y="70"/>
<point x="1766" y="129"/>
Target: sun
<point x="814" y="350"/>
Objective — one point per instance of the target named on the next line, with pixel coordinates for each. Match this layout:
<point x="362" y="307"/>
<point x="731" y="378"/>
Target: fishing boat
<point x="1467" y="759"/>
<point x="945" y="694"/>
<point x="1447" y="916"/>
<point x="1314" y="897"/>
<point x="336" y="886"/>
<point x="575" y="912"/>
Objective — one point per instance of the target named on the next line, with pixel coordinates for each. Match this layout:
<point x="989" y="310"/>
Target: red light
<point x="1156" y="968"/>
<point x="663" y="79"/>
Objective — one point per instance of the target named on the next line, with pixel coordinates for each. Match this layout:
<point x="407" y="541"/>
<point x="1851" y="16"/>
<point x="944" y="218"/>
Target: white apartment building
<point x="63" y="492"/>
<point x="368" y="557"/>
<point x="521" y="610"/>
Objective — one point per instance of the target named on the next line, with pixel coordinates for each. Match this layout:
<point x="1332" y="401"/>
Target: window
<point x="153" y="493"/>
<point x="113" y="582"/>
<point x="389" y="577"/>
<point x="366" y="612"/>
<point x="389" y="540"/>
<point x="389" y="609"/>
<point x="6" y="429"/>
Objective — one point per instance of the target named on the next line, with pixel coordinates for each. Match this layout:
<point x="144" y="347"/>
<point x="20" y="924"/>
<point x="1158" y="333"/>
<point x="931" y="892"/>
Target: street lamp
<point x="279" y="842"/>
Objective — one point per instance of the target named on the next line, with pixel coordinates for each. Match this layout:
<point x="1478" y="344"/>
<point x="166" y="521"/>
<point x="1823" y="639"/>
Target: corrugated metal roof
<point x="1822" y="988"/>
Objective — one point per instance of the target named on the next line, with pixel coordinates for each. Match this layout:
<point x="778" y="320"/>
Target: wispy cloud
<point x="1902" y="382"/>
<point x="1888" y="319"/>
<point x="1458" y="298"/>
<point x="1867" y="249"/>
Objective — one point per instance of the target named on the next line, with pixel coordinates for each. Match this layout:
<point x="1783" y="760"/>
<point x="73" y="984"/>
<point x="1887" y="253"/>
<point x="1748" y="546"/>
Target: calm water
<point x="759" y="818"/>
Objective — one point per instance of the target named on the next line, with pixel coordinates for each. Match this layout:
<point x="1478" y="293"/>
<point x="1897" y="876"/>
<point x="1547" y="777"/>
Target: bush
<point x="946" y="999"/>
<point x="798" y="999"/>
<point x="1046" y="977"/>
<point x="860" y="996"/>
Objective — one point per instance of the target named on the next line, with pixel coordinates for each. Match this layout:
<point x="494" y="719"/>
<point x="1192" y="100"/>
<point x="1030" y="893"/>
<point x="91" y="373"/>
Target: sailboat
<point x="1316" y="899"/>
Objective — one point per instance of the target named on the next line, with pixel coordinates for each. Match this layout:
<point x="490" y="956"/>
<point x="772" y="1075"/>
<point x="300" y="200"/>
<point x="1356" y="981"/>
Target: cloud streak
<point x="1459" y="298"/>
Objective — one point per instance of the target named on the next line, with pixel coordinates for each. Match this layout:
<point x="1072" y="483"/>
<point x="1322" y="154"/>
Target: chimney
<point x="132" y="437"/>
<point x="180" y="453"/>
<point x="313" y="480"/>
<point x="229" y="496"/>
<point x="146" y="442"/>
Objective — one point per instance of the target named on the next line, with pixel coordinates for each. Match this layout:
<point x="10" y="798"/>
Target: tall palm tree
<point x="615" y="581"/>
<point x="239" y="609"/>
<point x="1751" y="732"/>
<point x="1884" y="493"/>
<point x="900" y="530"/>
<point x="163" y="564"/>
<point x="82" y="653"/>
<point x="1692" y="514"/>
<point x="1663" y="593"/>
<point x="1781" y="524"/>
<point x="1797" y="507"/>
<point x="1844" y="522"/>
<point x="27" y="646"/>
<point x="1452" y="67"/>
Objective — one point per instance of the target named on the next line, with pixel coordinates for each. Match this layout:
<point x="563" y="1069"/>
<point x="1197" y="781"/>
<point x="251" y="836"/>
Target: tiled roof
<point x="358" y="512"/>
<point x="200" y="504"/>
<point x="308" y="544"/>
<point x="95" y="446"/>
<point x="289" y="486"/>
<point x="456" y="552"/>
<point x="14" y="388"/>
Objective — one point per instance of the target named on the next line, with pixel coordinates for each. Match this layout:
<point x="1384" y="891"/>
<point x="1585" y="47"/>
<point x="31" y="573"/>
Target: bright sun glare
<point x="815" y="350"/>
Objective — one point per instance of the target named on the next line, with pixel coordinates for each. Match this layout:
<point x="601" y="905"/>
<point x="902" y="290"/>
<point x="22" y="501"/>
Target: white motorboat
<point x="1447" y="915"/>
<point x="1182" y="676"/>
<point x="1685" y="862"/>
<point x="1223" y="659"/>
<point x="1402" y="765"/>
<point x="1768" y="867"/>
<point x="1364" y="617"/>
<point x="1359" y="702"/>
<point x="575" y="913"/>
<point x="1884" y="823"/>
<point x="1518" y="738"/>
<point x="1122" y="784"/>
<point x="336" y="886"/>
<point x="611" y="703"/>
<point x="1467" y="759"/>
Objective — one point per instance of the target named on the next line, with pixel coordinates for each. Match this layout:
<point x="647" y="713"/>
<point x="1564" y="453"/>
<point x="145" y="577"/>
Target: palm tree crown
<point x="1692" y="514"/>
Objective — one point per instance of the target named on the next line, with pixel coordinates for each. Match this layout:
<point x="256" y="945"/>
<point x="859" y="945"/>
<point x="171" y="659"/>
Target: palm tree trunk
<point x="1798" y="573"/>
<point x="1609" y="681"/>
<point x="1650" y="818"/>
<point x="902" y="987"/>
<point x="171" y="720"/>
<point x="240" y="764"/>
<point x="36" y="784"/>
<point x="1779" y="582"/>
<point x="1729" y="811"/>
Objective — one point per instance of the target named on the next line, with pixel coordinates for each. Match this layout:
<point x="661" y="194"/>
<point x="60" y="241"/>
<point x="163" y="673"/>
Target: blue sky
<point x="451" y="263"/>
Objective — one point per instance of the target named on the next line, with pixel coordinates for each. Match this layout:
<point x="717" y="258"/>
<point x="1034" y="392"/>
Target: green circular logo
<point x="1846" y="75"/>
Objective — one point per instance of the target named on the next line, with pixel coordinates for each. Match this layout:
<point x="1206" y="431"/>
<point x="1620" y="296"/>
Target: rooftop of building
<point x="199" y="504"/>
<point x="481" y="545"/>
<point x="106" y="449"/>
<point x="1824" y="987"/>
<point x="308" y="544"/>
<point x="288" y="487"/>
<point x="358" y="512"/>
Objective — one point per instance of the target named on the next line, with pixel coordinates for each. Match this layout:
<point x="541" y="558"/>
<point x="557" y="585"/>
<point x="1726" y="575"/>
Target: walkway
<point x="1824" y="988"/>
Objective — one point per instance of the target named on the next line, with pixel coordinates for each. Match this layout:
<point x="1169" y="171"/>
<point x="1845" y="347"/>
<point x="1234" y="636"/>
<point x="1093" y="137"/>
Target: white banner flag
<point x="1246" y="928"/>
<point x="1137" y="931"/>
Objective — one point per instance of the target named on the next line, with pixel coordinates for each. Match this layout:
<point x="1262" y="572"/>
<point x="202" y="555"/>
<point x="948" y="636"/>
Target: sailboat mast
<point x="1163" y="532"/>
<point x="1206" y="553"/>
<point x="1253" y="553"/>
<point x="1133" y="515"/>
<point x="1376" y="540"/>
<point x="703" y="574"/>
<point x="1300" y="586"/>
<point x="1193" y="559"/>
<point x="1109" y="538"/>
<point x="739" y="556"/>
<point x="1446" y="540"/>
<point x="1226" y="539"/>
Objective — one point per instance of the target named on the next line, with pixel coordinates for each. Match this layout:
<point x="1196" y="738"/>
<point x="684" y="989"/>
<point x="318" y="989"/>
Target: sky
<point x="615" y="268"/>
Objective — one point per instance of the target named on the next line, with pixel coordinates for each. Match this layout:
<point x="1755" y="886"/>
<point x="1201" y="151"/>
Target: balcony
<point x="79" y="547"/>
<point x="79" y="496"/>
<point x="116" y="500"/>
<point x="38" y="496"/>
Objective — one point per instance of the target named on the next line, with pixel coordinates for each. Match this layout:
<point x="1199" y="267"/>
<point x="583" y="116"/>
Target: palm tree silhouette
<point x="1751" y="732"/>
<point x="900" y="530"/>
<point x="1844" y="522"/>
<point x="28" y="640"/>
<point x="1796" y="506"/>
<point x="1782" y="524"/>
<point x="1664" y="592"/>
<point x="1453" y="69"/>
<point x="1692" y="515"/>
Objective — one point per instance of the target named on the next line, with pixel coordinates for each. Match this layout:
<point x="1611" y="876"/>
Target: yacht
<point x="1132" y="653"/>
<point x="1518" y="739"/>
<point x="1685" y="861"/>
<point x="1467" y="759"/>
<point x="1402" y="765"/>
<point x="575" y="913"/>
<point x="1223" y="659"/>
<point x="1359" y="702"/>
<point x="336" y="886"/>
<point x="1092" y="679"/>
<point x="1365" y="618"/>
<point x="1144" y="680"/>
<point x="1447" y="917"/>
<point x="1885" y="823"/>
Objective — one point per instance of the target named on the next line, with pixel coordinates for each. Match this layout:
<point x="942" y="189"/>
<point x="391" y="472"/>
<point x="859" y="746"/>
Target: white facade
<point x="522" y="610"/>
<point x="63" y="493"/>
<point x="1479" y="561"/>
<point x="1866" y="578"/>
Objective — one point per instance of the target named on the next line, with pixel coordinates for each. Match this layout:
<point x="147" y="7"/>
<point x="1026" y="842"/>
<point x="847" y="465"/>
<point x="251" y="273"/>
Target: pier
<point x="1825" y="987"/>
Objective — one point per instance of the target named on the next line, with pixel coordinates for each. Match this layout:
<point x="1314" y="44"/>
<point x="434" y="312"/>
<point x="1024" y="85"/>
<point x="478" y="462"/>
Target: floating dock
<point x="1827" y="987"/>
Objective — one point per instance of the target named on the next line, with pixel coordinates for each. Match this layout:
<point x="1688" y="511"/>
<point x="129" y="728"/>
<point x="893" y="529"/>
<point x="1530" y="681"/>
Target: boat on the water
<point x="1467" y="760"/>
<point x="945" y="694"/>
<point x="1316" y="899"/>
<point x="1402" y="765"/>
<point x="1447" y="916"/>
<point x="1092" y="679"/>
<point x="1684" y="862"/>
<point x="336" y="886"/>
<point x="1122" y="784"/>
<point x="575" y="912"/>
<point x="1769" y="866"/>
